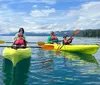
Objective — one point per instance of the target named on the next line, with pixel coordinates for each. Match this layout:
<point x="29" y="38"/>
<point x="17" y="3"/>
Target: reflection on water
<point x="46" y="60"/>
<point x="86" y="64"/>
<point x="66" y="67"/>
<point x="79" y="56"/>
<point x="15" y="75"/>
<point x="45" y="67"/>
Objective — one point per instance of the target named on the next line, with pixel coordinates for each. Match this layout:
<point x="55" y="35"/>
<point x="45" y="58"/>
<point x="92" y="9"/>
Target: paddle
<point x="26" y="47"/>
<point x="45" y="47"/>
<point x="75" y="32"/>
<point x="2" y="42"/>
<point x="41" y="43"/>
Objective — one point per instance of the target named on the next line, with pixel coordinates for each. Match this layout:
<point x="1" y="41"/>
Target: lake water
<point x="48" y="68"/>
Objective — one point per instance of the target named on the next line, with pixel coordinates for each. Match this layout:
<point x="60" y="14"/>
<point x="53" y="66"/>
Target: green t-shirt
<point x="49" y="40"/>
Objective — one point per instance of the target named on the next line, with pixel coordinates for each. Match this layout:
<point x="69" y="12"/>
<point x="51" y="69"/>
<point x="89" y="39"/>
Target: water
<point x="48" y="68"/>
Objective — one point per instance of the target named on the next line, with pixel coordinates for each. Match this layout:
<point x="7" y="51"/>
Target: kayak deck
<point x="16" y="55"/>
<point x="86" y="49"/>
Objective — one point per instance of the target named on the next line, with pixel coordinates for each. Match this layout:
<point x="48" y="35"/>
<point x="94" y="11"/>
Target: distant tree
<point x="90" y="33"/>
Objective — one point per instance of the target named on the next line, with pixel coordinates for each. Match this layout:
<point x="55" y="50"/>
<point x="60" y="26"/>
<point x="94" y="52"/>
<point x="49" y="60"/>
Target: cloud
<point x="39" y="13"/>
<point x="87" y="17"/>
<point x="47" y="6"/>
<point x="35" y="6"/>
<point x="48" y="19"/>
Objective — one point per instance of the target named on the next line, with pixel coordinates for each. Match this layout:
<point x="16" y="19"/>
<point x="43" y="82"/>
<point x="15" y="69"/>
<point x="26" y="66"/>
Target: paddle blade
<point x="76" y="32"/>
<point x="40" y="43"/>
<point x="47" y="47"/>
<point x="2" y="42"/>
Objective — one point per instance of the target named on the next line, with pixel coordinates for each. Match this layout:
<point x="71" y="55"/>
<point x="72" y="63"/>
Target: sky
<point x="41" y="16"/>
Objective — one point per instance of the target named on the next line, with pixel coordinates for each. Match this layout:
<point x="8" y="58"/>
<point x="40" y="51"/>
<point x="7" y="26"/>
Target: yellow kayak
<point x="16" y="55"/>
<point x="86" y="49"/>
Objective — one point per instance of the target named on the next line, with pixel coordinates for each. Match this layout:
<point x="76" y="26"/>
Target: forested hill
<point x="81" y="33"/>
<point x="90" y="33"/>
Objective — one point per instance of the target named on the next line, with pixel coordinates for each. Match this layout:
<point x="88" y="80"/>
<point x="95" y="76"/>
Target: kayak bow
<point x="16" y="55"/>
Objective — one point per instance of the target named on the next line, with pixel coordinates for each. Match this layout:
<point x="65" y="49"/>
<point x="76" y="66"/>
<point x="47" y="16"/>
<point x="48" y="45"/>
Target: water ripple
<point x="47" y="68"/>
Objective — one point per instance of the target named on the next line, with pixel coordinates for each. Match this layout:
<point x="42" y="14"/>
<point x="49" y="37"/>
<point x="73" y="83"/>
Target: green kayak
<point x="16" y="55"/>
<point x="86" y="49"/>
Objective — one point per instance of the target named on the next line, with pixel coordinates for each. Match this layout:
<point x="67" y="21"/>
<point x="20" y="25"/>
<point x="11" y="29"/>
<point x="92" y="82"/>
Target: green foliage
<point x="91" y="33"/>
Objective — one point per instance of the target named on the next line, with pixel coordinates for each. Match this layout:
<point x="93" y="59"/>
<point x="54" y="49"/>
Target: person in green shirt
<point x="52" y="38"/>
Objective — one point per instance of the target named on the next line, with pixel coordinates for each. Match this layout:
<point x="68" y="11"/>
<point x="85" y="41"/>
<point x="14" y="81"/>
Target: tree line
<point x="89" y="33"/>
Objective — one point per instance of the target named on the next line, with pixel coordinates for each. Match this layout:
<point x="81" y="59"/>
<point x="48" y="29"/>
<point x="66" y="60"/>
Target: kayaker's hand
<point x="71" y="38"/>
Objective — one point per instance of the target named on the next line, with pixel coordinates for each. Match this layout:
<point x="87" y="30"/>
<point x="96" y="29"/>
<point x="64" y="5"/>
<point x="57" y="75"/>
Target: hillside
<point x="81" y="33"/>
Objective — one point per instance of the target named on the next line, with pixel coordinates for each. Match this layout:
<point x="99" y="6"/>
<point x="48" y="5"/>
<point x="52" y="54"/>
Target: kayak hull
<point x="16" y="55"/>
<point x="86" y="49"/>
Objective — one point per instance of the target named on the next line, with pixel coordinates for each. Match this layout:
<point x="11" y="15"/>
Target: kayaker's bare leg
<point x="15" y="45"/>
<point x="22" y="46"/>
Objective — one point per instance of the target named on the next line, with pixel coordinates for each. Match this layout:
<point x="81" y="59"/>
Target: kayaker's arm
<point x="56" y="40"/>
<point x="70" y="39"/>
<point x="49" y="40"/>
<point x="15" y="37"/>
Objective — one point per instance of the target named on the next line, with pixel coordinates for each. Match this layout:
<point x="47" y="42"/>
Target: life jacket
<point x="67" y="42"/>
<point x="19" y="42"/>
<point x="53" y="37"/>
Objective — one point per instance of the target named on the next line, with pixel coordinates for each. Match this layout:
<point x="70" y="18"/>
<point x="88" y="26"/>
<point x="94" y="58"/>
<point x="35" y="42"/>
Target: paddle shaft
<point x="61" y="46"/>
<point x="75" y="32"/>
<point x="26" y="47"/>
<point x="68" y="39"/>
<point x="71" y="36"/>
<point x="27" y="42"/>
